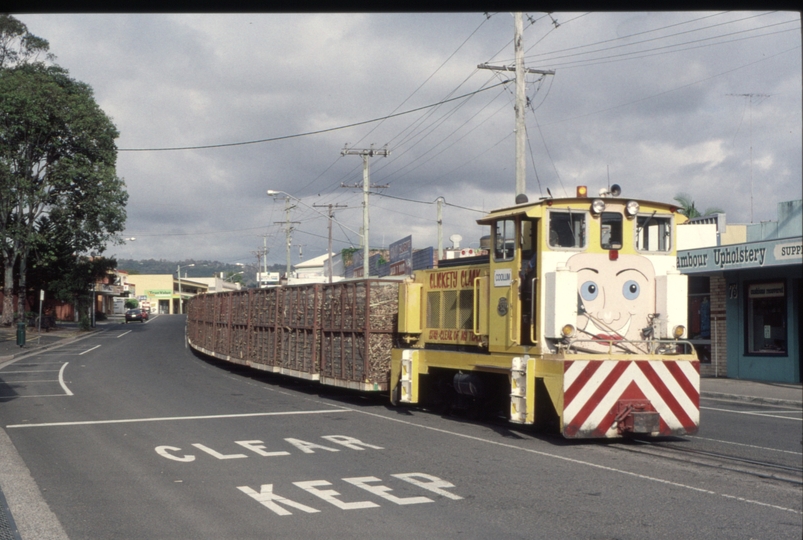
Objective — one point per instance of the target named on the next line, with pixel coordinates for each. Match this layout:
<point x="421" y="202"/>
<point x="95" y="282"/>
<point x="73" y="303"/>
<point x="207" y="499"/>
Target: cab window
<point x="653" y="233"/>
<point x="504" y="240"/>
<point x="610" y="233"/>
<point x="567" y="229"/>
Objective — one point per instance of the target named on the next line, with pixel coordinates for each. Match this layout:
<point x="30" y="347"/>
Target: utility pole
<point x="750" y="98"/>
<point x="264" y="257"/>
<point x="366" y="185"/>
<point x="331" y="217"/>
<point x="440" y="201"/>
<point x="288" y="230"/>
<point x="521" y="101"/>
<point x="262" y="260"/>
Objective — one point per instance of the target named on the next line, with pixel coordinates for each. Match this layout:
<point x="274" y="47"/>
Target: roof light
<point x="597" y="206"/>
<point x="632" y="208"/>
<point x="582" y="191"/>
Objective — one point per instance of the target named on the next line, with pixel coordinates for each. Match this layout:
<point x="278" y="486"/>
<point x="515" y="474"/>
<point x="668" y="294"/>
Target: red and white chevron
<point x="593" y="391"/>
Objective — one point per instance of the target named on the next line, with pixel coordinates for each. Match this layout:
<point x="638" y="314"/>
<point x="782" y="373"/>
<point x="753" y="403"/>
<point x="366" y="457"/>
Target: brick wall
<point x="719" y="338"/>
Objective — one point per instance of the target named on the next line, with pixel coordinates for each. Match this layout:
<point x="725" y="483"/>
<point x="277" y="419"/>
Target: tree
<point x="688" y="209"/>
<point x="57" y="160"/>
<point x="17" y="45"/>
<point x="73" y="283"/>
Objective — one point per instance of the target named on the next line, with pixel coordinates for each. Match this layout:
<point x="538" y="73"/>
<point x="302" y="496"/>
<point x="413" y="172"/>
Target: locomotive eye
<point x="631" y="290"/>
<point x="589" y="290"/>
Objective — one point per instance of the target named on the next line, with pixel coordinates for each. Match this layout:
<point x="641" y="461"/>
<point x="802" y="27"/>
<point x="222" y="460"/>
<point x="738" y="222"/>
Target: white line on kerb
<point x="61" y="380"/>
<point x="88" y="350"/>
<point x="173" y="418"/>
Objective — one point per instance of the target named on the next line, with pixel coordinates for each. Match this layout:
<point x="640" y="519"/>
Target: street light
<point x="180" y="310"/>
<point x="232" y="276"/>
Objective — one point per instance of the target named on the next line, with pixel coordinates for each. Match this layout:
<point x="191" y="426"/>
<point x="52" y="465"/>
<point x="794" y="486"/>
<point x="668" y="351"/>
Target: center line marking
<point x="172" y="418"/>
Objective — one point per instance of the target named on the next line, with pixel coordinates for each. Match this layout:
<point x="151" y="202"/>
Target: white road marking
<point x="89" y="350"/>
<point x="124" y="333"/>
<point x="752" y="413"/>
<point x="30" y="371"/>
<point x="29" y="382"/>
<point x="61" y="380"/>
<point x="173" y="418"/>
<point x="747" y="445"/>
<point x="41" y="395"/>
<point x="580" y="462"/>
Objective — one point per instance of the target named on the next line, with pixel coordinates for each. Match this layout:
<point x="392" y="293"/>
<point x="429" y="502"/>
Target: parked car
<point x="137" y="314"/>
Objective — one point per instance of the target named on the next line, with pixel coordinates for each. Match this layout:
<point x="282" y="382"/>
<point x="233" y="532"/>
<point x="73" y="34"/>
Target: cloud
<point x="653" y="100"/>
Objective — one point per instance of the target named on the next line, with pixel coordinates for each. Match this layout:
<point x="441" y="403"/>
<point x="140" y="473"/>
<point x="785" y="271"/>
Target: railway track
<point x="680" y="451"/>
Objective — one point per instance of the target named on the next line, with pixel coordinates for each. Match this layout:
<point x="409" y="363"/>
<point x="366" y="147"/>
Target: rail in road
<point x="156" y="442"/>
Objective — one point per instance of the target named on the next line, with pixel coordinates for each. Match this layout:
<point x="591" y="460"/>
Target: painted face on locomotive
<point x="614" y="296"/>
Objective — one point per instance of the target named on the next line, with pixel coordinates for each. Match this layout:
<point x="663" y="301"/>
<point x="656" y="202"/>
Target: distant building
<point x="744" y="294"/>
<point x="312" y="271"/>
<point x="162" y="291"/>
<point x="217" y="283"/>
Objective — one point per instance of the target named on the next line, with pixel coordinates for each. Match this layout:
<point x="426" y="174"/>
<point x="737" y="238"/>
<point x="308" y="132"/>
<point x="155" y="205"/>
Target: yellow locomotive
<point x="578" y="307"/>
<point x="573" y="320"/>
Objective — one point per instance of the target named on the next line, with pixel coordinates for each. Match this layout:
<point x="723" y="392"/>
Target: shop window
<point x="567" y="229"/>
<point x="766" y="318"/>
<point x="699" y="316"/>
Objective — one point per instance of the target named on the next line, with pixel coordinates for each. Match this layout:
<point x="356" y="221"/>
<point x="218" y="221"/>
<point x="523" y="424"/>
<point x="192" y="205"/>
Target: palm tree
<point x="688" y="209"/>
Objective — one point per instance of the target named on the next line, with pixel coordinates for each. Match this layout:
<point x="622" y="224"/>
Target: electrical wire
<point x="308" y="133"/>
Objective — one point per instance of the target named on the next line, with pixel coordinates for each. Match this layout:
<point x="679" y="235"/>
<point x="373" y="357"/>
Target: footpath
<point x="759" y="392"/>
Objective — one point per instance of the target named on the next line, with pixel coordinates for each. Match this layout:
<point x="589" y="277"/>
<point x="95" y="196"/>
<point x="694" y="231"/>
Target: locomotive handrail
<point x="514" y="320"/>
<point x="654" y="346"/>
<point x="474" y="306"/>
<point x="533" y="338"/>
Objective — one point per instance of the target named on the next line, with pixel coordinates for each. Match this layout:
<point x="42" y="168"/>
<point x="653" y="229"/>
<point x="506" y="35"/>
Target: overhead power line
<point x="318" y="132"/>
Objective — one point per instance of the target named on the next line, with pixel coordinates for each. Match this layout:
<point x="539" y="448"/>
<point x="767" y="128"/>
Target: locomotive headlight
<point x="597" y="206"/>
<point x="631" y="209"/>
<point x="678" y="331"/>
<point x="568" y="330"/>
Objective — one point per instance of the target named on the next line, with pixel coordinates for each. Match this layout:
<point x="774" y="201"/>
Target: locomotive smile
<point x="606" y="335"/>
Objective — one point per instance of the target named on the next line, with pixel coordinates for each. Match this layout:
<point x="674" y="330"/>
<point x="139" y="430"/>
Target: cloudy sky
<point x="213" y="110"/>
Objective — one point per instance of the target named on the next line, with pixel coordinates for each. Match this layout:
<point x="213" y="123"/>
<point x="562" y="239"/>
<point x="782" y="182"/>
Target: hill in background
<point x="202" y="268"/>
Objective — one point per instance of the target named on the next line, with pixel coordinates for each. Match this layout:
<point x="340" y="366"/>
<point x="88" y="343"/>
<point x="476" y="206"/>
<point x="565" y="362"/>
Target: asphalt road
<point x="127" y="434"/>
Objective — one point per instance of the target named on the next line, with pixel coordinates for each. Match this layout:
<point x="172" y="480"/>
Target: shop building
<point x="744" y="297"/>
<point x="166" y="294"/>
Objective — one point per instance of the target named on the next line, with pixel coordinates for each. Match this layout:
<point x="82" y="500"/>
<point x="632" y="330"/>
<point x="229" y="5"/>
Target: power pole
<point x="366" y="185"/>
<point x="288" y="230"/>
<point x="440" y="201"/>
<point x="331" y="217"/>
<point x="264" y="257"/>
<point x="521" y="101"/>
